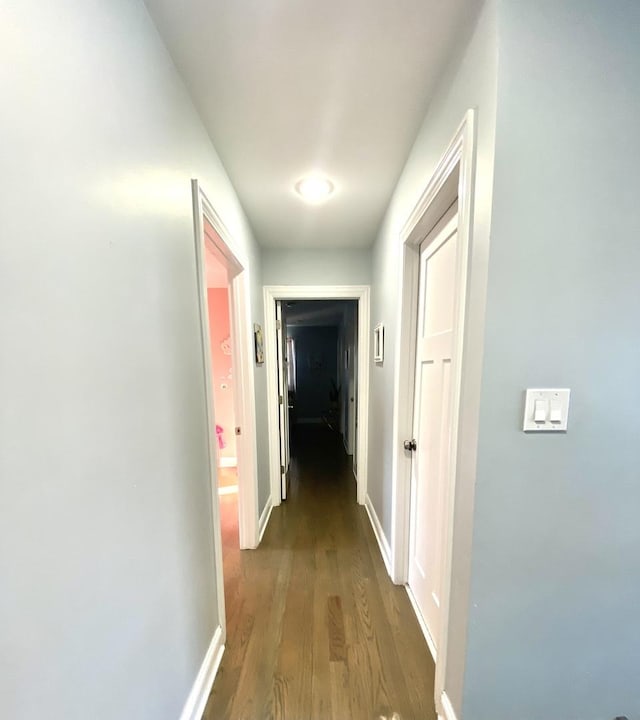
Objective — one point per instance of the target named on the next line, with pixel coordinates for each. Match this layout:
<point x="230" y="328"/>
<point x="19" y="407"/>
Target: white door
<point x="430" y="480"/>
<point x="283" y="398"/>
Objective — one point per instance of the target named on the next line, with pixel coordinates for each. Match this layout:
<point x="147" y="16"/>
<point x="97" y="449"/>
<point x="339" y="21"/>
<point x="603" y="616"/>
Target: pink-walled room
<point x="221" y="359"/>
<point x="220" y="334"/>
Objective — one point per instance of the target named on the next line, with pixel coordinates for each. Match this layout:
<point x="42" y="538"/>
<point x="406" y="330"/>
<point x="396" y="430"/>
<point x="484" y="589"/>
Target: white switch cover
<point x="546" y="410"/>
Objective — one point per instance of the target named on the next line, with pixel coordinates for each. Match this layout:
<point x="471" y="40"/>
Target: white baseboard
<point x="264" y="519"/>
<point x="194" y="707"/>
<point x="228" y="462"/>
<point x="423" y="625"/>
<point x="447" y="708"/>
<point x="383" y="544"/>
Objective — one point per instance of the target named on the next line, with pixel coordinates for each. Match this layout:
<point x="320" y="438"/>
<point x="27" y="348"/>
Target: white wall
<point x="470" y="82"/>
<point x="316" y="267"/>
<point x="553" y="627"/>
<point x="107" y="603"/>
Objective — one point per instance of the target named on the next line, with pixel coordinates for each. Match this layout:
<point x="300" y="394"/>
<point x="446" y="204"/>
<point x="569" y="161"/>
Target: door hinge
<point x="410" y="445"/>
<point x="281" y="469"/>
<point x="278" y="325"/>
<point x="280" y="399"/>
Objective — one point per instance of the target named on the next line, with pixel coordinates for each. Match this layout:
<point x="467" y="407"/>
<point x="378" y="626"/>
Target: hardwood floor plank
<point x="419" y="675"/>
<point x="337" y="649"/>
<point x="340" y="691"/>
<point x="295" y="664"/>
<point x="321" y="700"/>
<point x="254" y="691"/>
<point x="315" y="628"/>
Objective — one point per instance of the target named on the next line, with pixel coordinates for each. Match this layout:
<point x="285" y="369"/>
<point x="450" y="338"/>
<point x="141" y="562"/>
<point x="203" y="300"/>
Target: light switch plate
<point x="553" y="398"/>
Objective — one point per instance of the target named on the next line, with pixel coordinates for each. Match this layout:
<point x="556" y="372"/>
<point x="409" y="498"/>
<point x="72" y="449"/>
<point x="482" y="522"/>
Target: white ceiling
<point x="289" y="86"/>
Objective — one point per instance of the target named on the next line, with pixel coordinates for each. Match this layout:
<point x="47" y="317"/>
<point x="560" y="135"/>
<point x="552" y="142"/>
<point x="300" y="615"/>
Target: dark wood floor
<point x="315" y="628"/>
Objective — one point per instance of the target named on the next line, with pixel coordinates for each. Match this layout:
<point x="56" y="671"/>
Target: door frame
<point x="360" y="293"/>
<point x="283" y="390"/>
<point x="447" y="226"/>
<point x="350" y="427"/>
<point x="452" y="179"/>
<point x="244" y="396"/>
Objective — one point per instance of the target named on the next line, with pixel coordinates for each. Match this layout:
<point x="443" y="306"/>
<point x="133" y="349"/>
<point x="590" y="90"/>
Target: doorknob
<point x="410" y="445"/>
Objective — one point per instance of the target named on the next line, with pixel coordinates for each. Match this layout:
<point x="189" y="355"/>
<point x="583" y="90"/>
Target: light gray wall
<point x="107" y="599"/>
<point x="316" y="267"/>
<point x="469" y="82"/>
<point x="554" y="628"/>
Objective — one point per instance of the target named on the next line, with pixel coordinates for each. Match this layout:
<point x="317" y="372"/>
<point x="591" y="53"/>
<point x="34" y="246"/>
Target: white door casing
<point x="361" y="293"/>
<point x="283" y="398"/>
<point x="242" y="359"/>
<point x="430" y="470"/>
<point x="453" y="178"/>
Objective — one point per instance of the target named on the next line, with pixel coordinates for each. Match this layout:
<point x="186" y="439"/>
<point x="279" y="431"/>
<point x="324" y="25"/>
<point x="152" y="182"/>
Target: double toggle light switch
<point x="546" y="410"/>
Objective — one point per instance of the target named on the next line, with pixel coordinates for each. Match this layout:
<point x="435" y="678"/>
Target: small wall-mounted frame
<point x="378" y="343"/>
<point x="259" y="343"/>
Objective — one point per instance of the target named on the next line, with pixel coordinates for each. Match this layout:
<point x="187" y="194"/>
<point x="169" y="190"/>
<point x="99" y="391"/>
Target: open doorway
<point x="223" y="384"/>
<point x="228" y="385"/>
<point x="320" y="368"/>
<point x="317" y="349"/>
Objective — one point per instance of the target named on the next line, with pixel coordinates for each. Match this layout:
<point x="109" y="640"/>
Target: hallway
<point x="315" y="628"/>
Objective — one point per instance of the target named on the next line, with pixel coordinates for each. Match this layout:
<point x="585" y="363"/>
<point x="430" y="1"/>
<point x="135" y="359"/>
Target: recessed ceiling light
<point x="314" y="188"/>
